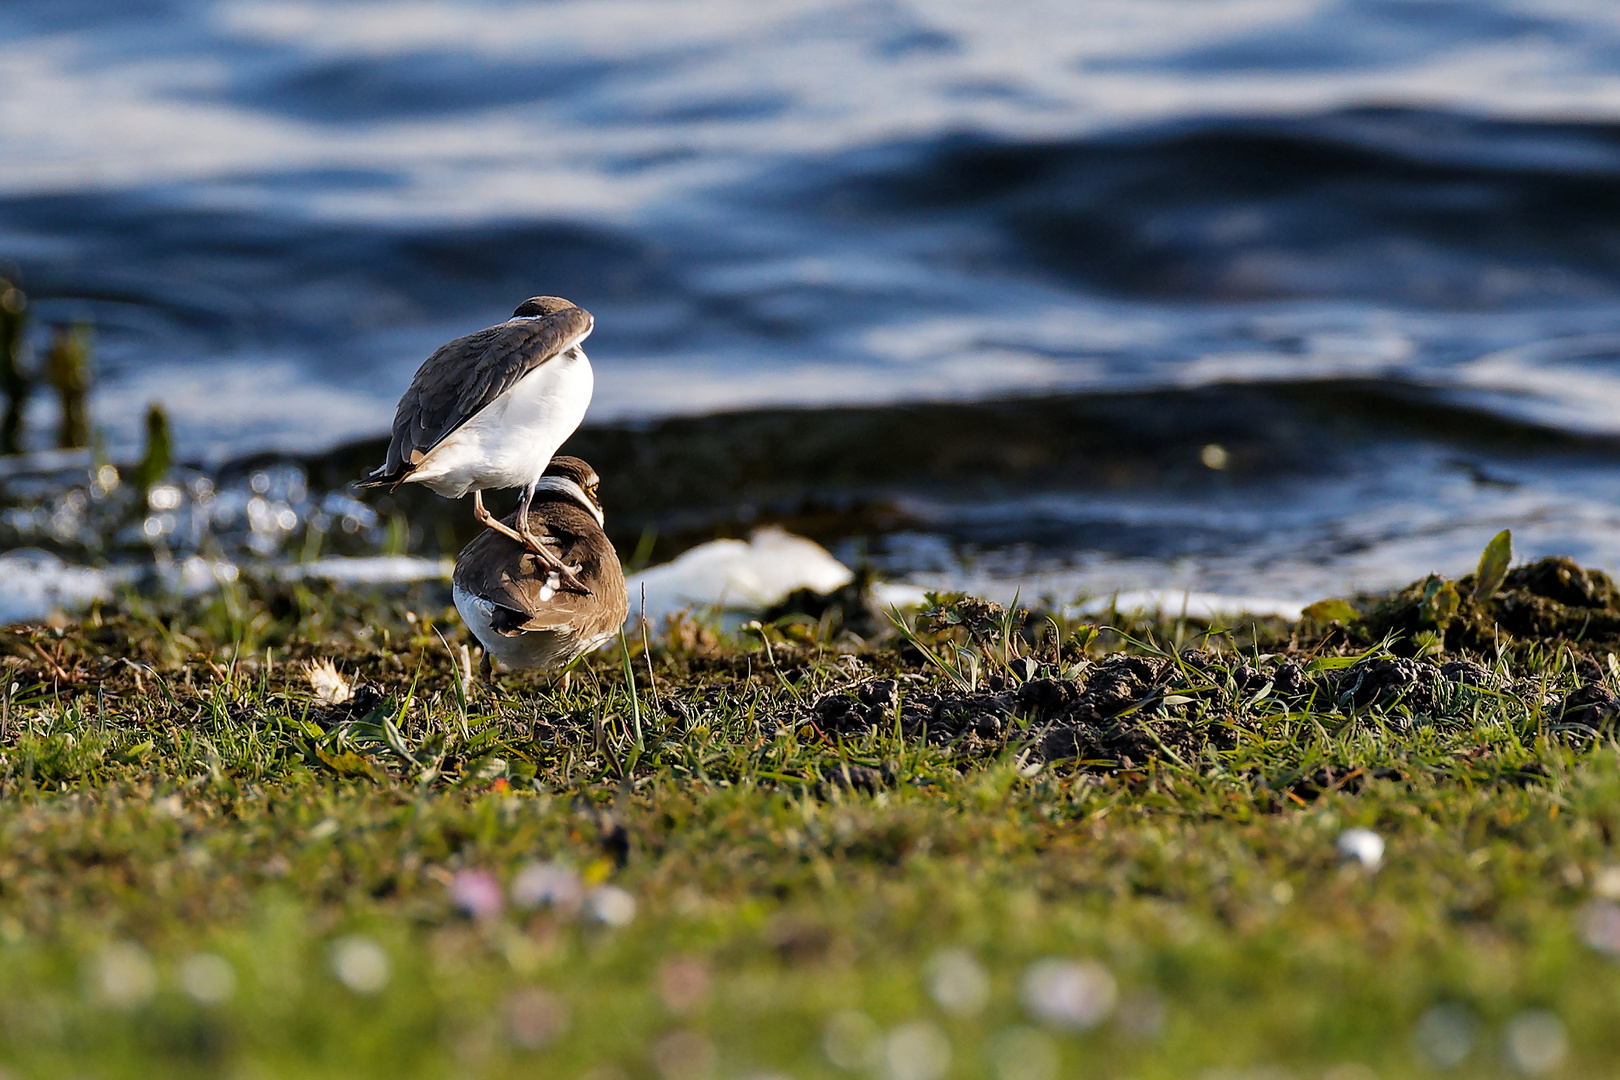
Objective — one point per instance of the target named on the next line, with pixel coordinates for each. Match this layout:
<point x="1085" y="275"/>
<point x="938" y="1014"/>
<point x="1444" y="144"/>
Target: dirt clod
<point x="1590" y="706"/>
<point x="1389" y="681"/>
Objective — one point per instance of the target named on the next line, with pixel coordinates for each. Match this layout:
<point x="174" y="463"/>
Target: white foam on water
<point x="369" y="570"/>
<point x="35" y="584"/>
<point x="735" y="575"/>
<point x="1187" y="603"/>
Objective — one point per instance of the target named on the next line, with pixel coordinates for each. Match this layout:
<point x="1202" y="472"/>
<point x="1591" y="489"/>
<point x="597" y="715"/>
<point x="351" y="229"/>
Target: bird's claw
<point x="570" y="577"/>
<point x="566" y="575"/>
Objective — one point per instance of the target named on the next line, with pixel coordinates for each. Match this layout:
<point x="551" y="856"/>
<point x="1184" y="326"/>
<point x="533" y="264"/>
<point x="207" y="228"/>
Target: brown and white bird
<point x="515" y="604"/>
<point x="489" y="410"/>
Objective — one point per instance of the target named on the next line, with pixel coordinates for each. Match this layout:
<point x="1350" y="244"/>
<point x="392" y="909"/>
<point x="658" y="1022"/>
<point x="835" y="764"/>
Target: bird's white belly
<point x="510" y="441"/>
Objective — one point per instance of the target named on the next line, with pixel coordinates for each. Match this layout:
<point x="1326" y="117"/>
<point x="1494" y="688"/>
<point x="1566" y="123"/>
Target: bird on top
<point x="488" y="411"/>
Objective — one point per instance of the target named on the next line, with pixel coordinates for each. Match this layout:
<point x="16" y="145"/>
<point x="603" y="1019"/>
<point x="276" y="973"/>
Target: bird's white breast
<point x="510" y="441"/>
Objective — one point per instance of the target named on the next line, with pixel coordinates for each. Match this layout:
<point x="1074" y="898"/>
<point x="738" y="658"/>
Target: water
<point x="274" y="210"/>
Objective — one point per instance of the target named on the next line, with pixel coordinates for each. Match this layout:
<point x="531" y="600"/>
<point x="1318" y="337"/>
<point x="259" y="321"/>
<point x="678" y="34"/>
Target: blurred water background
<point x="1310" y="295"/>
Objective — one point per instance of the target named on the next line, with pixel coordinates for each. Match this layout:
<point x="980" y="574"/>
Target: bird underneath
<point x="515" y="605"/>
<point x="489" y="410"/>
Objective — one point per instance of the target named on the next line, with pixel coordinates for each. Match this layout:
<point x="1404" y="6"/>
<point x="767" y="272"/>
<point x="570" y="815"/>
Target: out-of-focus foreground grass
<point x="205" y="870"/>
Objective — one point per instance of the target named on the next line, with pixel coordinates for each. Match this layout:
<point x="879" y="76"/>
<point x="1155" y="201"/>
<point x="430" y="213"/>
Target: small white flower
<point x="122" y="975"/>
<point x="852" y="1041"/>
<point x="535" y="1017"/>
<point x="360" y="964"/>
<point x="611" y="905"/>
<point x="1536" y="1042"/>
<point x="1362" y="845"/>
<point x="208" y="978"/>
<point x="917" y="1051"/>
<point x="476" y="894"/>
<point x="1024" y="1053"/>
<point x="328" y="683"/>
<point x="1068" y="994"/>
<point x="547" y="885"/>
<point x="1445" y="1035"/>
<point x="684" y="1055"/>
<point x="1600" y="927"/>
<point x="958" y="982"/>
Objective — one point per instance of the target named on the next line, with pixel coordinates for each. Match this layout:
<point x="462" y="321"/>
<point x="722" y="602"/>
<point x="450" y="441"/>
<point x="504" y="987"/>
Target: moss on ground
<point x="985" y="847"/>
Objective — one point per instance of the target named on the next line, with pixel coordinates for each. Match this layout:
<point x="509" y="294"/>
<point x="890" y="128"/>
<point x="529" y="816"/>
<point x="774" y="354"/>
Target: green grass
<point x="169" y="787"/>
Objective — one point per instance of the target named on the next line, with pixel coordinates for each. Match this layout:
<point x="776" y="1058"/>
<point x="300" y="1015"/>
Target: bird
<point x="516" y="606"/>
<point x="488" y="411"/>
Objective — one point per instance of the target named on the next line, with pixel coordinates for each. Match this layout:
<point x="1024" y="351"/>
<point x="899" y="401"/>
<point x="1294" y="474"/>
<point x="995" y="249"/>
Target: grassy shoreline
<point x="843" y="859"/>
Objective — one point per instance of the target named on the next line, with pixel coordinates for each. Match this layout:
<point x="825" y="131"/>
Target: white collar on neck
<point x="564" y="486"/>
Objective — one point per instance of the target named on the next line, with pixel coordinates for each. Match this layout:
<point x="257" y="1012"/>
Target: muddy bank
<point x="859" y="472"/>
<point x="1242" y="488"/>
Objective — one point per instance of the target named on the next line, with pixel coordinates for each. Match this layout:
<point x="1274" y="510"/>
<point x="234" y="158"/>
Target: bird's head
<point x="541" y="306"/>
<point x="581" y="473"/>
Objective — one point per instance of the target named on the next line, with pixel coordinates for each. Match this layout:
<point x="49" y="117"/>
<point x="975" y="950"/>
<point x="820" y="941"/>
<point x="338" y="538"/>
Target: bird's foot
<point x="567" y="575"/>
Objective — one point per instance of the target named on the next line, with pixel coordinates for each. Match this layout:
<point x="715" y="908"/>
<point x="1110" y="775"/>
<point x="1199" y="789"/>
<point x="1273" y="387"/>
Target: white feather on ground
<point x="328" y="683"/>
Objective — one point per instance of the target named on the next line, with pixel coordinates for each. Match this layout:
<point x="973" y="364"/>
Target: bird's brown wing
<point x="462" y="377"/>
<point x="498" y="569"/>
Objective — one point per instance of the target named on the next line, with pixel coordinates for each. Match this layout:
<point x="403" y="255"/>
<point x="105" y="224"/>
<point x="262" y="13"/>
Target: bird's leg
<point x="489" y="520"/>
<point x="568" y="575"/>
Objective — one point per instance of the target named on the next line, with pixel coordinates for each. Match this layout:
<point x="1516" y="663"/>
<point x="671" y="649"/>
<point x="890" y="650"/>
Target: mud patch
<point x="1549" y="600"/>
<point x="1125" y="710"/>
